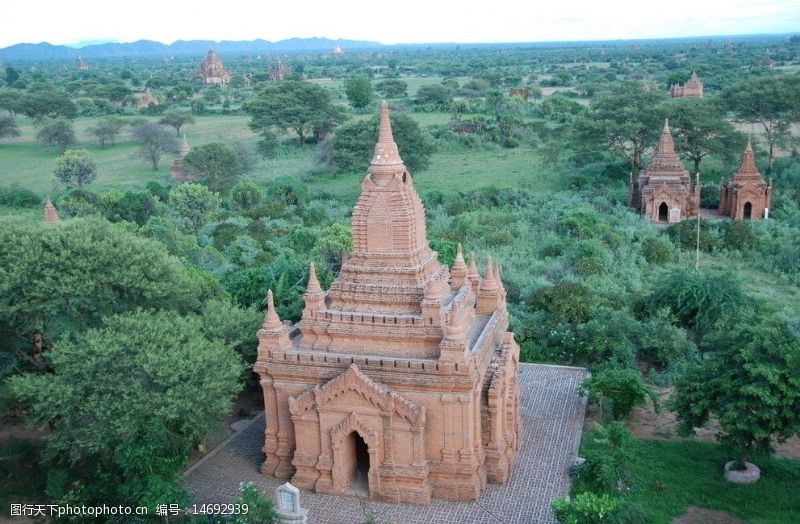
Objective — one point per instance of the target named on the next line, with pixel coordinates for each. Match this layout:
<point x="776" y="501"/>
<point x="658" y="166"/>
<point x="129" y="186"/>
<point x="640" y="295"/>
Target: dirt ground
<point x="695" y="515"/>
<point x="646" y="423"/>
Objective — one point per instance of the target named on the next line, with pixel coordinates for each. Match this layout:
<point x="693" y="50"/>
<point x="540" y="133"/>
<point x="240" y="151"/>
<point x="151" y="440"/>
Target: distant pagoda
<point x="664" y="191"/>
<point x="691" y="89"/>
<point x="278" y="71"/>
<point x="212" y="71"/>
<point x="50" y="213"/>
<point x="746" y="196"/>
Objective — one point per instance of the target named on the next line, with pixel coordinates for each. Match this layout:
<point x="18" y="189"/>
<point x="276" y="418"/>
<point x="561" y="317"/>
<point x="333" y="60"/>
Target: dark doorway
<point x="360" y="484"/>
<point x="748" y="210"/>
<point x="663" y="212"/>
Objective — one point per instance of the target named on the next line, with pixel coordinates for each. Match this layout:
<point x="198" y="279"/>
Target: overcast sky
<point x="388" y="21"/>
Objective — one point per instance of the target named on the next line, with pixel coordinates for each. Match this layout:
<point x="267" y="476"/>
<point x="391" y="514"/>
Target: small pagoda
<point x="664" y="190"/>
<point x="50" y="213"/>
<point x="400" y="381"/>
<point x="212" y="71"/>
<point x="691" y="89"/>
<point x="746" y="196"/>
<point x="277" y="71"/>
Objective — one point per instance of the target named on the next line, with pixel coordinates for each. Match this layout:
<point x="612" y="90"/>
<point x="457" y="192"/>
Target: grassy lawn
<point x="667" y="477"/>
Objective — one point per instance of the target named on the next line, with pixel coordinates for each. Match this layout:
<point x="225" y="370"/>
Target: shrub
<point x="660" y="342"/>
<point x="657" y="251"/>
<point x="606" y="452"/>
<point x="586" y="508"/>
<point x="738" y="235"/>
<point x="623" y="388"/>
<point x="684" y="234"/>
<point x="260" y="509"/>
<point x="16" y="196"/>
<point x="246" y="194"/>
<point x="588" y="257"/>
<point x="564" y="302"/>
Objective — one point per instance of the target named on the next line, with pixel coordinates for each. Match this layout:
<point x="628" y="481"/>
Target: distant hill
<point x="144" y="48"/>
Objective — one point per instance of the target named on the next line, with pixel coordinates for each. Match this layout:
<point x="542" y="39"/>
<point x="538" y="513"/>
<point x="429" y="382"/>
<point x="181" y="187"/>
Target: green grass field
<point x="665" y="478"/>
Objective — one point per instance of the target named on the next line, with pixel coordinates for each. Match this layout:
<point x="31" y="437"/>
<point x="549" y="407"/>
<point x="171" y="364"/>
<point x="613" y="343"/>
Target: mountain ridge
<point x="150" y="48"/>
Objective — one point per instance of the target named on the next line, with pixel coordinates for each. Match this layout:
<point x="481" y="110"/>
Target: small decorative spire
<point x="748" y="168"/>
<point x="473" y="267"/>
<point x="458" y="263"/>
<point x="489" y="282"/>
<point x="313" y="283"/>
<point x="272" y="320"/>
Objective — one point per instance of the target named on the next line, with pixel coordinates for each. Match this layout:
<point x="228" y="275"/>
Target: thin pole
<point x="697" y="245"/>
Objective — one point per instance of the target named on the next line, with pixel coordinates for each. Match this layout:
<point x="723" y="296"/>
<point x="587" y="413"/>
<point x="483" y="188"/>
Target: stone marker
<point x="288" y="505"/>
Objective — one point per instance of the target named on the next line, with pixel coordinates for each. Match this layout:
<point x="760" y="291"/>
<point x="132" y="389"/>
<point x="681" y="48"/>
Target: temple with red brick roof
<point x="212" y="71"/>
<point x="746" y="196"/>
<point x="664" y="191"/>
<point x="400" y="381"/>
<point x="693" y="88"/>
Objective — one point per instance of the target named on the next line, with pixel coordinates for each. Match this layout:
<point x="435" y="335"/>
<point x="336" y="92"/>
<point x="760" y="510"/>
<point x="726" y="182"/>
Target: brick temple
<point x="746" y="195"/>
<point x="212" y="71"/>
<point x="664" y="190"/>
<point x="400" y="381"/>
<point x="693" y="88"/>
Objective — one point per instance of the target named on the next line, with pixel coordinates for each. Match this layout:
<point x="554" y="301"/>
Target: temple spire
<point x="489" y="282"/>
<point x="748" y="168"/>
<point x="386" y="157"/>
<point x="272" y="320"/>
<point x="665" y="160"/>
<point x="313" y="282"/>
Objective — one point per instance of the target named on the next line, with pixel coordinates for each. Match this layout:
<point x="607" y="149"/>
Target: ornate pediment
<point x="353" y="380"/>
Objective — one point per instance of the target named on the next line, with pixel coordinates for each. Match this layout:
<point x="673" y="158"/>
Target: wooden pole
<point x="697" y="244"/>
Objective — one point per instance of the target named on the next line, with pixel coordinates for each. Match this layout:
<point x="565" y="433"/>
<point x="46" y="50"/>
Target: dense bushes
<point x="16" y="196"/>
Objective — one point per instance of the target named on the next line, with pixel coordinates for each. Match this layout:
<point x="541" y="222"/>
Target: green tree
<point x="194" y="203"/>
<point x="359" y="91"/>
<point x="154" y="141"/>
<point x="261" y="509"/>
<point x="293" y="105"/>
<point x="433" y="96"/>
<point x="697" y="300"/>
<point x="12" y="75"/>
<point x="215" y="165"/>
<point x="106" y="130"/>
<point x="750" y="383"/>
<point x="246" y="194"/>
<point x="57" y="133"/>
<point x="8" y="126"/>
<point x="700" y="129"/>
<point x="627" y="121"/>
<point x="623" y="388"/>
<point x="771" y="102"/>
<point x="353" y="144"/>
<point x="333" y="242"/>
<point x="54" y="280"/>
<point x="176" y="119"/>
<point x="76" y="168"/>
<point x="10" y="101"/>
<point x="131" y="404"/>
<point x="47" y="103"/>
<point x="392" y="88"/>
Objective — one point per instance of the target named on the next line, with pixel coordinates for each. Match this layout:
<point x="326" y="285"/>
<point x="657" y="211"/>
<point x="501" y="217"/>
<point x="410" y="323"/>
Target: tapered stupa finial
<point x="272" y="320"/>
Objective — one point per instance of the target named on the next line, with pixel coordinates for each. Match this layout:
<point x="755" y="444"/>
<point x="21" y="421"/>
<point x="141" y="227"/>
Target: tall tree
<point x="750" y="382"/>
<point x="131" y="403"/>
<point x="359" y="91"/>
<point x="154" y="141"/>
<point x="47" y="102"/>
<point x="293" y="105"/>
<point x="176" y="119"/>
<point x="700" y="129"/>
<point x="194" y="203"/>
<point x="106" y="130"/>
<point x="8" y="126"/>
<point x="352" y="144"/>
<point x="10" y="101"/>
<point x="57" y="279"/>
<point x="57" y="133"/>
<point x="76" y="168"/>
<point x="215" y="164"/>
<point x="627" y="120"/>
<point x="772" y="102"/>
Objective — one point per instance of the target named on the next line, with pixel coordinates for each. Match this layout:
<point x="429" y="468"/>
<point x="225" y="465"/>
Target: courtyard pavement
<point x="552" y="419"/>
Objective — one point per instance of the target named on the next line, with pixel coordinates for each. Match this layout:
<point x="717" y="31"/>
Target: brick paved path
<point x="552" y="418"/>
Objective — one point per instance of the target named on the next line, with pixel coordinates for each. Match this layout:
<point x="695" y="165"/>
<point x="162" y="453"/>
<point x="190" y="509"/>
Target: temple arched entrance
<point x="663" y="212"/>
<point x="359" y="476"/>
<point x="748" y="211"/>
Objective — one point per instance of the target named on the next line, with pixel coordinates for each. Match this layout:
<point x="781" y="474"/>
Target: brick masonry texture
<point x="552" y="418"/>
